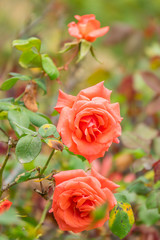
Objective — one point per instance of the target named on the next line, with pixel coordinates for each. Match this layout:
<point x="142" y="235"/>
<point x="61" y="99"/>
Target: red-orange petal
<point x="98" y="32"/>
<point x="64" y="100"/>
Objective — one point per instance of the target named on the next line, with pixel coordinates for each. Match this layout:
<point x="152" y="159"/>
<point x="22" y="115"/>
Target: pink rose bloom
<point x="88" y="122"/>
<point x="87" y="28"/>
<point x="76" y="196"/>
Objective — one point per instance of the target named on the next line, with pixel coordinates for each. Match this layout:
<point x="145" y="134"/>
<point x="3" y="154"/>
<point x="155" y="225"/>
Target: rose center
<point x="83" y="205"/>
<point x="90" y="127"/>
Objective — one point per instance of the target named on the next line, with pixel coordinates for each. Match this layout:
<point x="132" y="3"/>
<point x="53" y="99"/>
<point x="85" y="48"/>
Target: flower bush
<point x="69" y="162"/>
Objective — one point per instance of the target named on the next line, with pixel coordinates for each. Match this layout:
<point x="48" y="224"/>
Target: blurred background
<point x="130" y="66"/>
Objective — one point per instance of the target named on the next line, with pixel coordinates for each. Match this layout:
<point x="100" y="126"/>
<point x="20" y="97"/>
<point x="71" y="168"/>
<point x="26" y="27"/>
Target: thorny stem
<point x="65" y="67"/>
<point x="43" y="215"/>
<point x="34" y="177"/>
<point x="45" y="166"/>
<point x="3" y="131"/>
<point x="19" y="97"/>
<point x="4" y="164"/>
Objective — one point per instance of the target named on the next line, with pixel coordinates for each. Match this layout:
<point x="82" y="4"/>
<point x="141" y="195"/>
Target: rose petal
<point x="64" y="100"/>
<point x="85" y="18"/>
<point x="63" y="127"/>
<point x="70" y="174"/>
<point x="105" y="183"/>
<point x="97" y="90"/>
<point x="74" y="30"/>
<point x="110" y="198"/>
<point x="98" y="32"/>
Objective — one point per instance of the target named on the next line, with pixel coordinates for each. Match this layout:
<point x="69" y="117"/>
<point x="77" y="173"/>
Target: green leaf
<point x="54" y="113"/>
<point x="35" y="118"/>
<point x="9" y="217"/>
<point x="41" y="83"/>
<point x="148" y="216"/>
<point x="49" y="67"/>
<point x="26" y="130"/>
<point x="3" y="115"/>
<point x="139" y="186"/>
<point x="93" y="54"/>
<point x="36" y="42"/>
<point x="120" y="197"/>
<point x="9" y="83"/>
<point x="20" y="76"/>
<point x="30" y="59"/>
<point x="28" y="148"/>
<point x="121" y="219"/>
<point x="68" y="46"/>
<point x="84" y="49"/>
<point x="99" y="213"/>
<point x="6" y="106"/>
<point x="20" y="117"/>
<point x="45" y="117"/>
<point x="153" y="200"/>
<point x="25" y="44"/>
<point x="25" y="176"/>
<point x="47" y="130"/>
<point x="79" y="156"/>
<point x="11" y="99"/>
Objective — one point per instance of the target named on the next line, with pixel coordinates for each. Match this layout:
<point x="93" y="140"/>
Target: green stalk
<point x="3" y="166"/>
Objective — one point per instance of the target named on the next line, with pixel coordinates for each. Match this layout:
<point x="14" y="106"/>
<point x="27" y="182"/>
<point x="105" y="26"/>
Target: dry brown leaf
<point x="29" y="97"/>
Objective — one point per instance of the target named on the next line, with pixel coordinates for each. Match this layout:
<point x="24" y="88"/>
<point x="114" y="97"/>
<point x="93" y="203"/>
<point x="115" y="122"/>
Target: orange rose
<point x="87" y="28"/>
<point x="88" y="123"/>
<point x="76" y="195"/>
<point x="5" y="205"/>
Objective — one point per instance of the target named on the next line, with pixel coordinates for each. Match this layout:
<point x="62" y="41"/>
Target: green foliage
<point x="153" y="200"/>
<point x="79" y="156"/>
<point x="30" y="59"/>
<point x="68" y="46"/>
<point x="6" y="106"/>
<point x="121" y="217"/>
<point x="49" y="67"/>
<point x="26" y="130"/>
<point x="35" y="118"/>
<point x="9" y="83"/>
<point x="24" y="176"/>
<point x="148" y="216"/>
<point x="100" y="212"/>
<point x="47" y="130"/>
<point x="84" y="49"/>
<point x="139" y="186"/>
<point x="28" y="148"/>
<point x="41" y="83"/>
<point x="9" y="217"/>
<point x="25" y="44"/>
<point x="20" y="117"/>
<point x="20" y="76"/>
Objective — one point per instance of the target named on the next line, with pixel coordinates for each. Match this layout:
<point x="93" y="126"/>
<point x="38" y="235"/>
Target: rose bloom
<point x="76" y="195"/>
<point x="88" y="123"/>
<point x="87" y="28"/>
<point x="4" y="206"/>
